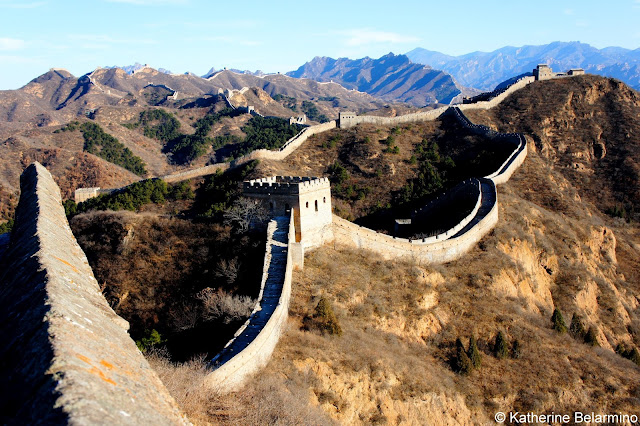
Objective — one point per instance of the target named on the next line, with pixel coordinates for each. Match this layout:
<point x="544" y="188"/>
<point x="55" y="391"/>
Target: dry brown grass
<point x="270" y="400"/>
<point x="400" y="321"/>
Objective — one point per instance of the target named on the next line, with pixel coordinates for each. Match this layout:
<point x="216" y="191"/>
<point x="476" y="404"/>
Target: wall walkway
<point x="431" y="250"/>
<point x="453" y="243"/>
<point x="254" y="342"/>
<point x="66" y="356"/>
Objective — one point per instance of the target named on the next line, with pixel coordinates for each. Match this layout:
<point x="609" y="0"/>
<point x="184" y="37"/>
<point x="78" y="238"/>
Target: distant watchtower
<point x="543" y="72"/>
<point x="346" y="119"/>
<point x="309" y="199"/>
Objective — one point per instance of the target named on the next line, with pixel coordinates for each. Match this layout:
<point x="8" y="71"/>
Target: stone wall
<point x="501" y="97"/>
<point x="506" y="169"/>
<point x="290" y="146"/>
<point x="425" y="251"/>
<point x="347" y="121"/>
<point x="193" y="173"/>
<point x="254" y="342"/>
<point x="66" y="357"/>
<point x="455" y="242"/>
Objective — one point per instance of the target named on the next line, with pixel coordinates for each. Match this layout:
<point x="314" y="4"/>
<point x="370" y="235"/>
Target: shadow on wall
<point x="66" y="356"/>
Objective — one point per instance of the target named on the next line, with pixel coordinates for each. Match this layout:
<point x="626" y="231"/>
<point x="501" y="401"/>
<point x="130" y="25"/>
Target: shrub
<point x="6" y="227"/>
<point x="186" y="148"/>
<point x="220" y="304"/>
<point x="577" y="327"/>
<point x="324" y="319"/>
<point x="181" y="191"/>
<point x="152" y="339"/>
<point x="474" y="353"/>
<point x="70" y="208"/>
<point x="501" y="346"/>
<point x="591" y="338"/>
<point x="557" y="321"/>
<point x="516" y="349"/>
<point x="634" y="356"/>
<point x="338" y="173"/>
<point x="463" y="364"/>
<point x="159" y="124"/>
<point x="130" y="198"/>
<point x="312" y="113"/>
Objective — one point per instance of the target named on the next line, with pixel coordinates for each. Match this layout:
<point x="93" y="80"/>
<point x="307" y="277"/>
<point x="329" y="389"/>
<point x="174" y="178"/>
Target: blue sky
<point x="195" y="35"/>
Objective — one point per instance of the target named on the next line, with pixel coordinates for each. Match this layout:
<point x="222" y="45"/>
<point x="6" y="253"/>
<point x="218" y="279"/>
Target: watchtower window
<point x="316" y="205"/>
<point x="324" y="199"/>
<point x="307" y="204"/>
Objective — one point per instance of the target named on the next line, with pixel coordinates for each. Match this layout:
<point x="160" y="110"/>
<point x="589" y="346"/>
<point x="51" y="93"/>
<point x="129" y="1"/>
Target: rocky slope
<point x="484" y="70"/>
<point x="587" y="128"/>
<point x="553" y="248"/>
<point x="390" y="77"/>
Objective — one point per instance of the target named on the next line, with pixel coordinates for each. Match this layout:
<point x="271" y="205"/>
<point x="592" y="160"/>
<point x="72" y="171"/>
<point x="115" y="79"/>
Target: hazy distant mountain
<point x="212" y="72"/>
<point x="391" y="77"/>
<point x="484" y="70"/>
<point x="130" y="69"/>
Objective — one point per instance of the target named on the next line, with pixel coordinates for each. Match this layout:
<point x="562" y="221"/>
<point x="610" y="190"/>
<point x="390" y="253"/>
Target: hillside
<point x="567" y="239"/>
<point x="391" y="77"/>
<point x="485" y="70"/>
<point x="587" y="128"/>
<point x="32" y="117"/>
<point x="552" y="249"/>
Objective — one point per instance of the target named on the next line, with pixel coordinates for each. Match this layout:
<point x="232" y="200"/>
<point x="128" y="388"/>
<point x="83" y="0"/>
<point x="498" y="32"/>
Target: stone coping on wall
<point x="66" y="357"/>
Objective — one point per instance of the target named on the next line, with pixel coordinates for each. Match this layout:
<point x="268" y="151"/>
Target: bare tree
<point x="228" y="270"/>
<point x="244" y="212"/>
<point x="185" y="317"/>
<point x="218" y="303"/>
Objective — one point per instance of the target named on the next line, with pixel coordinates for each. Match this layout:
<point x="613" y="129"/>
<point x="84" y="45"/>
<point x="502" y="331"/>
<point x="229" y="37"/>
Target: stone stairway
<point x="275" y="265"/>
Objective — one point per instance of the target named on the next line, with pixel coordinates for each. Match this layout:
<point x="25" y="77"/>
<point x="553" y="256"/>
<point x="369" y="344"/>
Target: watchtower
<point x="309" y="198"/>
<point x="346" y="119"/>
<point x="543" y="72"/>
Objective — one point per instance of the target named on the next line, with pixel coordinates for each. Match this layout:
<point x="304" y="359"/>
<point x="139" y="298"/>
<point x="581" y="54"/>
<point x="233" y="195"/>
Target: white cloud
<point x="11" y="43"/>
<point x="366" y="36"/>
<point x="149" y="2"/>
<point x="569" y="12"/>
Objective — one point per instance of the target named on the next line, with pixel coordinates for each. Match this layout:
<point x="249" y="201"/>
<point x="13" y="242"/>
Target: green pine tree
<point x="463" y="364"/>
<point x="557" y="321"/>
<point x="591" y="338"/>
<point x="516" y="349"/>
<point x="577" y="327"/>
<point x="501" y="346"/>
<point x="634" y="356"/>
<point x="474" y="353"/>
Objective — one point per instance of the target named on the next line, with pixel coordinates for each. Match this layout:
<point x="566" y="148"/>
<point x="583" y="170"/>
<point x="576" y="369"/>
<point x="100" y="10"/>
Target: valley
<point x="181" y="265"/>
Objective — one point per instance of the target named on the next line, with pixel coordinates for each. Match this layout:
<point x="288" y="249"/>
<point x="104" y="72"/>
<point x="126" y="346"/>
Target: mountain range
<point x="484" y="70"/>
<point x="392" y="77"/>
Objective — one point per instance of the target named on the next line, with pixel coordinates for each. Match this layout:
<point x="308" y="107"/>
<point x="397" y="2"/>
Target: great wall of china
<point x="76" y="362"/>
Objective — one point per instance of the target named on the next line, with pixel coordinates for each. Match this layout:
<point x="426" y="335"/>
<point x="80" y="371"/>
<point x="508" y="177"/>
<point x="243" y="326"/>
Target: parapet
<point x="66" y="357"/>
<point x="285" y="185"/>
